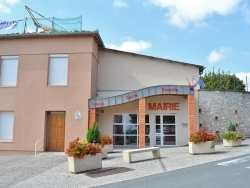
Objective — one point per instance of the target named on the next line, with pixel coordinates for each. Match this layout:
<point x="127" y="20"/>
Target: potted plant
<point x="94" y="136"/>
<point x="84" y="156"/>
<point x="232" y="138"/>
<point x="202" y="142"/>
<point x="107" y="141"/>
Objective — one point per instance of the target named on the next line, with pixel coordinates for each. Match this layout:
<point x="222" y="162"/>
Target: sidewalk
<point x="51" y="169"/>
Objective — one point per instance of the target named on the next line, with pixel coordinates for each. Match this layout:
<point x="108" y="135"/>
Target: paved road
<point x="230" y="173"/>
<point x="51" y="169"/>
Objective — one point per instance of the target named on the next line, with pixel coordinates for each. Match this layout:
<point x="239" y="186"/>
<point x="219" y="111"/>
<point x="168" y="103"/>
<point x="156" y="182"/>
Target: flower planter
<point x="109" y="147"/>
<point x="231" y="143"/>
<point x="201" y="148"/>
<point x="86" y="163"/>
<point x="104" y="152"/>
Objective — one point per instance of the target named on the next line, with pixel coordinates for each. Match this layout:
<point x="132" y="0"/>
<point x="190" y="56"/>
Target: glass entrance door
<point x="165" y="130"/>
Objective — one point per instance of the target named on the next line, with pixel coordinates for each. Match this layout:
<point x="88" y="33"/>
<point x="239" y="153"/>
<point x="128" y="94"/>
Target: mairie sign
<point x="163" y="106"/>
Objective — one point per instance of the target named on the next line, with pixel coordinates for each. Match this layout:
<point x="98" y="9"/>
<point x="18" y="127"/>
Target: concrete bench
<point x="127" y="154"/>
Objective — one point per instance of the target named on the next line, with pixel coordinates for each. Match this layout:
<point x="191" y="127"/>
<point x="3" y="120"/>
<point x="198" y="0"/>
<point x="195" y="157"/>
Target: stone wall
<point x="217" y="108"/>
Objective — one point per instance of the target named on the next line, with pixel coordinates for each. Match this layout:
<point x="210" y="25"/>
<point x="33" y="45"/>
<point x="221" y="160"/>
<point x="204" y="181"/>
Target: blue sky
<point x="211" y="33"/>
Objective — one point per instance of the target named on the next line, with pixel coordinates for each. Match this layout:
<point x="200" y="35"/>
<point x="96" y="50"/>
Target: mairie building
<point x="54" y="86"/>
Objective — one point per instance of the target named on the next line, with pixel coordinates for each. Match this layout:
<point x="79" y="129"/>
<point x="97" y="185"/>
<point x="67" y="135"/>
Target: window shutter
<point x="6" y="125"/>
<point x="8" y="71"/>
<point x="58" y="70"/>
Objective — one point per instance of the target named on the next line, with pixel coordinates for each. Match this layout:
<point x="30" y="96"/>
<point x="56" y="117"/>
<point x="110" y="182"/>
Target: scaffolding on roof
<point x="43" y="24"/>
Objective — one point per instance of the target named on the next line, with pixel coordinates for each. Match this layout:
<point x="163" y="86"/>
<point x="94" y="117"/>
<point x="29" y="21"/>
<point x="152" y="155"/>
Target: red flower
<point x="105" y="139"/>
<point x="79" y="148"/>
<point x="202" y="136"/>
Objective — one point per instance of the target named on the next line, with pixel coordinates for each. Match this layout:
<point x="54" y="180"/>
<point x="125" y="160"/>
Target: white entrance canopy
<point x="141" y="93"/>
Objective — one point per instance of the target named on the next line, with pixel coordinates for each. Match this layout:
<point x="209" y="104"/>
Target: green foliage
<point x="93" y="134"/>
<point x="232" y="135"/>
<point x="231" y="127"/>
<point x="222" y="80"/>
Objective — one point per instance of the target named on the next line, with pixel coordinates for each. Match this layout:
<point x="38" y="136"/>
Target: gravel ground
<point x="51" y="169"/>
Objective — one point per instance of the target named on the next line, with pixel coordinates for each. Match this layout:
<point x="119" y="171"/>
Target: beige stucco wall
<point x="105" y="118"/>
<point x="32" y="98"/>
<point x="121" y="72"/>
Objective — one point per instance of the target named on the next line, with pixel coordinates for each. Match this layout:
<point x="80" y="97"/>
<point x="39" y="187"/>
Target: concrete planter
<point x="104" y="152"/>
<point x="201" y="148"/>
<point x="110" y="147"/>
<point x="231" y="143"/>
<point x="86" y="163"/>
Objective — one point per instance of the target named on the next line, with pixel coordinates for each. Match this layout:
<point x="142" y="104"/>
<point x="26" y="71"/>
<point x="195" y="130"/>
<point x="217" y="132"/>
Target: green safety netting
<point x="48" y="25"/>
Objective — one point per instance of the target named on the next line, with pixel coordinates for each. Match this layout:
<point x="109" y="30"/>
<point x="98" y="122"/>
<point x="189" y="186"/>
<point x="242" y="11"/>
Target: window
<point x="8" y="70"/>
<point x="58" y="70"/>
<point x="6" y="125"/>
<point x="125" y="129"/>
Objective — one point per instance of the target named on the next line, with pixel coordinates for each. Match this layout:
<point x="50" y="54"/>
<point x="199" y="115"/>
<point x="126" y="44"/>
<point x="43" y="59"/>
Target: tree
<point x="231" y="127"/>
<point x="222" y="80"/>
<point x="93" y="134"/>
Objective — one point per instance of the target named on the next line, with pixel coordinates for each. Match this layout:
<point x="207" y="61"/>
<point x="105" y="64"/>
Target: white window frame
<point x="58" y="70"/>
<point x="124" y="125"/>
<point x="8" y="73"/>
<point x="6" y="125"/>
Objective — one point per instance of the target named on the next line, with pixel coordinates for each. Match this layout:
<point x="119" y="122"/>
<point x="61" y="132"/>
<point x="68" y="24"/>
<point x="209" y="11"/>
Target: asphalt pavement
<point x="229" y="173"/>
<point x="50" y="169"/>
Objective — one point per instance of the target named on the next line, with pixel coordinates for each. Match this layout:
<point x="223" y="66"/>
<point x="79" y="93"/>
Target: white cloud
<point x="119" y="3"/>
<point x="33" y="30"/>
<point x="245" y="77"/>
<point x="182" y="13"/>
<point x="132" y="46"/>
<point x="12" y="1"/>
<point x="5" y="5"/>
<point x="218" y="55"/>
<point x="4" y="8"/>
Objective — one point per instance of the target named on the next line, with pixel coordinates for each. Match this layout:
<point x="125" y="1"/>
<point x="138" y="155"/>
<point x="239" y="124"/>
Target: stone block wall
<point x="217" y="108"/>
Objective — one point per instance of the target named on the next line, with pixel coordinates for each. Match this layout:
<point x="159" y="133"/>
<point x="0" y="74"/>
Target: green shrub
<point x="93" y="134"/>
<point x="232" y="135"/>
<point x="231" y="127"/>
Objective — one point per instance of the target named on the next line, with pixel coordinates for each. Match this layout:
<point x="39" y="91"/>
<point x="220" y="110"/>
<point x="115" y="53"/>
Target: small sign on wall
<point x="78" y="116"/>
